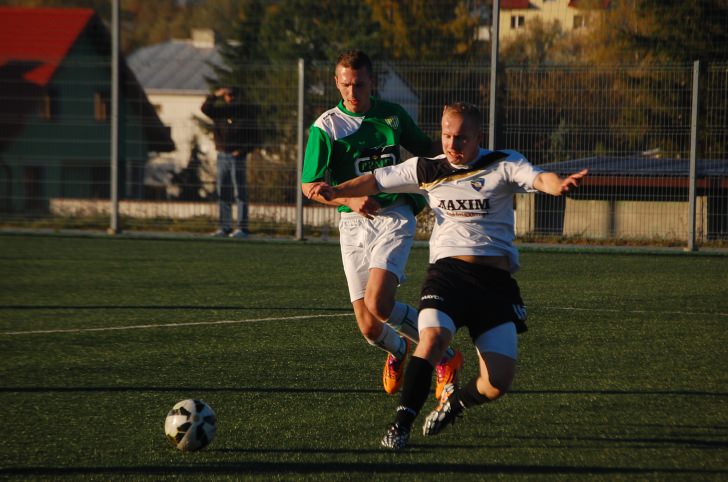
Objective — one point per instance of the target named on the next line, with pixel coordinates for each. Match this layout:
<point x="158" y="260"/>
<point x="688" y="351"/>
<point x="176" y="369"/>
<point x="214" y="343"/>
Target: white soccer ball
<point x="190" y="425"/>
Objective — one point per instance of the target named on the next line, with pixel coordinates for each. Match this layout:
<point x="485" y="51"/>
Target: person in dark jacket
<point x="235" y="136"/>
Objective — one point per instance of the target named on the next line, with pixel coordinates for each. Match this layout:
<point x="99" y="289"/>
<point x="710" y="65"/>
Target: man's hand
<point x="573" y="180"/>
<point x="365" y="206"/>
<point x="320" y="189"/>
<point x="552" y="183"/>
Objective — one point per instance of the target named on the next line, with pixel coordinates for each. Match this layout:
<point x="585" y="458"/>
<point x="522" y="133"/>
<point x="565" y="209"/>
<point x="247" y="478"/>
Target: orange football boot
<point x="394" y="370"/>
<point x="448" y="372"/>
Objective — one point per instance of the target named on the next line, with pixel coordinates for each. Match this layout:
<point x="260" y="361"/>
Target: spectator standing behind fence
<point x="234" y="129"/>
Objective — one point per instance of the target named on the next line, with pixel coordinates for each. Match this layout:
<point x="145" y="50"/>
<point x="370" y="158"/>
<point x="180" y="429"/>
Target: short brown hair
<point x="467" y="110"/>
<point x="356" y="60"/>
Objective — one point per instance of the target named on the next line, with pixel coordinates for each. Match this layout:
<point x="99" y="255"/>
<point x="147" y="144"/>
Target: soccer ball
<point x="190" y="425"/>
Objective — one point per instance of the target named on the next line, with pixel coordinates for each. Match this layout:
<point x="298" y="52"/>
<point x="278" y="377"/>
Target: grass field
<point x="622" y="376"/>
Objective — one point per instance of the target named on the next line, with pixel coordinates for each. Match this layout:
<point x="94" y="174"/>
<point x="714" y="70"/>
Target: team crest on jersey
<point x="392" y="121"/>
<point x="477" y="184"/>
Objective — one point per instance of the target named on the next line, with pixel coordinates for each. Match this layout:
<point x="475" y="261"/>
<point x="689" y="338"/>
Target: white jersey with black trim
<point x="473" y="204"/>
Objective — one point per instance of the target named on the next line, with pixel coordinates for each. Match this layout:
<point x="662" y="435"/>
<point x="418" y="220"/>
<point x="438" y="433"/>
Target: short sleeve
<point x="400" y="178"/>
<point x="520" y="172"/>
<point x="317" y="156"/>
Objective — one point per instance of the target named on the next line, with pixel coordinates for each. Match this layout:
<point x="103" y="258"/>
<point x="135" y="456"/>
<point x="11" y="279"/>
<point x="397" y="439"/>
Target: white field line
<point x="304" y="317"/>
<point x="169" y="325"/>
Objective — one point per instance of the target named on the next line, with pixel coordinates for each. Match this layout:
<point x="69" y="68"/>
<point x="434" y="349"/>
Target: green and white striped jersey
<point x="345" y="145"/>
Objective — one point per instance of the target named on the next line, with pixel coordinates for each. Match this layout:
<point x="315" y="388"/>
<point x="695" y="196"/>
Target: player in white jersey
<point x="472" y="257"/>
<point x="358" y="135"/>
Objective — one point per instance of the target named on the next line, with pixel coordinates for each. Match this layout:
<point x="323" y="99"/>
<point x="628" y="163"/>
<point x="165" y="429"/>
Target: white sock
<point x="390" y="341"/>
<point x="404" y="319"/>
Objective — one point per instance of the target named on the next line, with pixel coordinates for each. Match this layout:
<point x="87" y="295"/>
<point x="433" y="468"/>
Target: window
<point x="579" y="21"/>
<point x="483" y="33"/>
<point x="101" y="107"/>
<point x="48" y="108"/>
<point x="517" y="21"/>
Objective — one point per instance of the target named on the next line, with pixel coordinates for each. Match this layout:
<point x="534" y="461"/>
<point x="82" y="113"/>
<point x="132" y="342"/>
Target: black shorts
<point x="474" y="296"/>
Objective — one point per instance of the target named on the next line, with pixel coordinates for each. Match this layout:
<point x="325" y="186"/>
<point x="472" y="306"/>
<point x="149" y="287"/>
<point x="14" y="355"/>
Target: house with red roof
<point x="55" y="71"/>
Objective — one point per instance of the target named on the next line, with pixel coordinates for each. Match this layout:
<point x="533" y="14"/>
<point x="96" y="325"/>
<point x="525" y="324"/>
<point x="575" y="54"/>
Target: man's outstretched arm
<point x="360" y="186"/>
<point x="551" y="183"/>
<point x="353" y="193"/>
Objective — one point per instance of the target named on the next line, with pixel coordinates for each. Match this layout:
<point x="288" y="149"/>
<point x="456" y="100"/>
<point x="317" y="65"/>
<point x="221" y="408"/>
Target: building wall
<point x="67" y="154"/>
<point x="620" y="219"/>
<point x="178" y="112"/>
<point x="623" y="219"/>
<point x="548" y="11"/>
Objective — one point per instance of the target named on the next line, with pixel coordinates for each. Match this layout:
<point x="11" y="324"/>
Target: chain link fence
<point x="630" y="125"/>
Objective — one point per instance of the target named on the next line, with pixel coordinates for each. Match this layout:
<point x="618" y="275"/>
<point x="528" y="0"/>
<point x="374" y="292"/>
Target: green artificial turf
<point x="622" y="374"/>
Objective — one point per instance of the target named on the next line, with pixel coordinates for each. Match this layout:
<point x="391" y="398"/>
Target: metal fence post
<point x="693" y="158"/>
<point x="114" y="125"/>
<point x="299" y="159"/>
<point x="493" y="73"/>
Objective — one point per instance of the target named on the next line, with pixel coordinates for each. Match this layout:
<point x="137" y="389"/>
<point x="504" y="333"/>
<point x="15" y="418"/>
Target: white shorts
<point x="501" y="339"/>
<point x="383" y="242"/>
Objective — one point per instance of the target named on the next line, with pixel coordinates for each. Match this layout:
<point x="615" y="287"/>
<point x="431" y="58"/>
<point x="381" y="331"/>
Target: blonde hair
<point x="466" y="110"/>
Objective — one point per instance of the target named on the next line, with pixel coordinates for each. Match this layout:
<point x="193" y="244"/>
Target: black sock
<point x="469" y="395"/>
<point x="416" y="387"/>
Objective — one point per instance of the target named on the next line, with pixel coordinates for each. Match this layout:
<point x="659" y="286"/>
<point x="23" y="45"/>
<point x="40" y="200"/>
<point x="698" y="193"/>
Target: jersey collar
<point x="356" y="114"/>
<point x="481" y="153"/>
<point x="485" y="158"/>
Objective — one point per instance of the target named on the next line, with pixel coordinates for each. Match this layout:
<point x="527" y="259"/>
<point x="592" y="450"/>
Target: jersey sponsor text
<point x="368" y="164"/>
<point x="464" y="204"/>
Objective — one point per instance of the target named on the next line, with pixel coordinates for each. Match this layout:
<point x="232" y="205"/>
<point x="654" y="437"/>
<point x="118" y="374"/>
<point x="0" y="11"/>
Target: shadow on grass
<point x="580" y="442"/>
<point x="514" y="393"/>
<point x="189" y="389"/>
<point x="695" y="393"/>
<point x="170" y="307"/>
<point x="434" y="470"/>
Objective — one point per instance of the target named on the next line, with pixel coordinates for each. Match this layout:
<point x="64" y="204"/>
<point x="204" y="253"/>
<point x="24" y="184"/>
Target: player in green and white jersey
<point x="360" y="134"/>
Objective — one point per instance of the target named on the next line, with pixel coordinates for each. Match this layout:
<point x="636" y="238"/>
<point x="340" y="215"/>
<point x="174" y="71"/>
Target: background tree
<point x="219" y="15"/>
<point x="242" y="48"/>
<point x="648" y="33"/>
<point x="563" y="112"/>
<point x="425" y="30"/>
<point x="540" y="44"/>
<point x="149" y="23"/>
<point x="318" y="29"/>
<point x="655" y="31"/>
